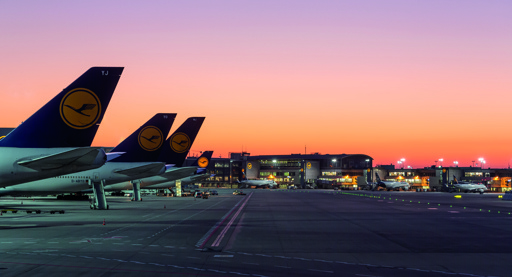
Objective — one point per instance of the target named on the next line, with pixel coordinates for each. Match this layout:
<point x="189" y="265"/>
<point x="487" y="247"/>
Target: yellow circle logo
<point x="444" y="170"/>
<point x="150" y="138"/>
<point x="180" y="142"/>
<point x="202" y="162"/>
<point x="249" y="166"/>
<point x="308" y="165"/>
<point x="80" y="108"/>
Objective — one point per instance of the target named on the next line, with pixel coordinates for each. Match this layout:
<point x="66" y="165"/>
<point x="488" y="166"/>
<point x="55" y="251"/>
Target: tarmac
<point x="263" y="233"/>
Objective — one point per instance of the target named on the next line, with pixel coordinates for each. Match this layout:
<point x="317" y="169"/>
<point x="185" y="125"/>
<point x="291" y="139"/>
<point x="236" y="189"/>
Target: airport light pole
<point x="441" y="162"/>
<point x="456" y="163"/>
<point x="480" y="160"/>
<point x="403" y="162"/>
<point x="399" y="163"/>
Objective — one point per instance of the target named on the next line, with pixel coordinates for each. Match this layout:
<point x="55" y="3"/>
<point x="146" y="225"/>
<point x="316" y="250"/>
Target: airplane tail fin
<point x="377" y="177"/>
<point x="176" y="147"/>
<point x="145" y="144"/>
<point x="71" y="118"/>
<point x="204" y="160"/>
<point x="455" y="180"/>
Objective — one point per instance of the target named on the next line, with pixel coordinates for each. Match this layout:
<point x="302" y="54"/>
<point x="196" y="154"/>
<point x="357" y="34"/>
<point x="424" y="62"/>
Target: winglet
<point x="71" y="118"/>
<point x="145" y="144"/>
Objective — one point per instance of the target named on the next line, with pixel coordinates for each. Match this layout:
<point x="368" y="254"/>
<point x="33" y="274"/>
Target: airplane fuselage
<point x="391" y="185"/>
<point x="171" y="174"/>
<point x="80" y="181"/>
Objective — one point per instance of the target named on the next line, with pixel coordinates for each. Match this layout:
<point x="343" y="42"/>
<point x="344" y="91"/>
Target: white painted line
<point x="156" y="264"/>
<point x="338" y="262"/>
<point x="136" y="262"/>
<point x="417" y="269"/>
<point x="169" y="246"/>
<point x="238" y="273"/>
<point x="176" y="266"/>
<point x="86" y="257"/>
<point x="120" y="261"/>
<point x="155" y="245"/>
<point x="226" y="228"/>
<point x="317" y="260"/>
<point x="218" y="271"/>
<point x="263" y="255"/>
<point x="136" y="244"/>
<point x="103" y="259"/>
<point x="303" y="259"/>
<point x="223" y="256"/>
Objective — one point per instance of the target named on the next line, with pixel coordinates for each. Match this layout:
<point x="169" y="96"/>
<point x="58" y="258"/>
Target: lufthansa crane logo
<point x="249" y="165"/>
<point x="202" y="162"/>
<point x="80" y="108"/>
<point x="308" y="165"/>
<point x="180" y="142"/>
<point x="150" y="138"/>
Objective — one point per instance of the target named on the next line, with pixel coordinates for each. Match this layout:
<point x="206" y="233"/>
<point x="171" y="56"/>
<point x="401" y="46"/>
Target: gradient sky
<point x="419" y="80"/>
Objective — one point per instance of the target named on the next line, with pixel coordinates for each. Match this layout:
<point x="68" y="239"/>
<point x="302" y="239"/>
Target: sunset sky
<point x="420" y="80"/>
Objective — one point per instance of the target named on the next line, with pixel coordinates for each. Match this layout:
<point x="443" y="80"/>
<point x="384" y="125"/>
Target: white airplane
<point x="174" y="152"/>
<point x="467" y="186"/>
<point x="200" y="173"/>
<point x="139" y="149"/>
<point x="56" y="139"/>
<point x="257" y="184"/>
<point x="390" y="185"/>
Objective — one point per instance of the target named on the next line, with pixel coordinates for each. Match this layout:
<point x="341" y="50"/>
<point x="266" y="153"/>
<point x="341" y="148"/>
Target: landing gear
<point x="100" y="201"/>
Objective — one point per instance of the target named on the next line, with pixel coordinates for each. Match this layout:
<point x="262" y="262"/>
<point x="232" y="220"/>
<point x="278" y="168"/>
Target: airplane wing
<point x="83" y="156"/>
<point x="151" y="168"/>
<point x="176" y="173"/>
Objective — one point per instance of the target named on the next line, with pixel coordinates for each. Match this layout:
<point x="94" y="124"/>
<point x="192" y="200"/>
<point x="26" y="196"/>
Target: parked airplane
<point x="245" y="183"/>
<point x="467" y="186"/>
<point x="56" y="139"/>
<point x="390" y="185"/>
<point x="174" y="152"/>
<point x="140" y="150"/>
<point x="200" y="164"/>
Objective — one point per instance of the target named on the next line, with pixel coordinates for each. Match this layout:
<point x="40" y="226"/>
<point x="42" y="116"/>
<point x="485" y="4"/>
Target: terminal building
<point x="345" y="171"/>
<point x="297" y="170"/>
